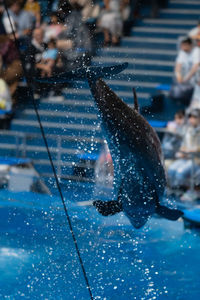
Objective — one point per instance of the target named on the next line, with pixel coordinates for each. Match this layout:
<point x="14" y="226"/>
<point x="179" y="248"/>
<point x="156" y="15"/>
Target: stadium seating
<point x="71" y="121"/>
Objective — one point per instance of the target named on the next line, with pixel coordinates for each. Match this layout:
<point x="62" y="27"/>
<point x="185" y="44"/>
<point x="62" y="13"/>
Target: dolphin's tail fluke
<point x="84" y="73"/>
<point x="168" y="213"/>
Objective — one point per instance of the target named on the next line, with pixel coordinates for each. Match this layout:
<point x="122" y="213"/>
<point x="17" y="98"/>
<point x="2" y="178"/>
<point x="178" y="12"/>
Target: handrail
<point x="53" y="136"/>
<point x="21" y="146"/>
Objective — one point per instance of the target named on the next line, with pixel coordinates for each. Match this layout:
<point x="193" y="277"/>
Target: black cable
<point x="50" y="157"/>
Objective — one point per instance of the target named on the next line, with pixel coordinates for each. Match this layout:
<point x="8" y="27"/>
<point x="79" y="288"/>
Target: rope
<point x="50" y="158"/>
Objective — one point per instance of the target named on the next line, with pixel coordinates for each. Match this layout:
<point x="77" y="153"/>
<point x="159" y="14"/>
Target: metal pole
<point x="192" y="172"/>
<point x="59" y="147"/>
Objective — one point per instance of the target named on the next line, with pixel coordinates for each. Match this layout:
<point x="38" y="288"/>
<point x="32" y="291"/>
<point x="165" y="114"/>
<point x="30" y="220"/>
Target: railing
<point x="20" y="146"/>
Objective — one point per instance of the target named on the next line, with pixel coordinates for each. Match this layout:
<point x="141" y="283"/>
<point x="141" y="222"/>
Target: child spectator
<point x="172" y="139"/>
<point x="180" y="170"/>
<point x="48" y="59"/>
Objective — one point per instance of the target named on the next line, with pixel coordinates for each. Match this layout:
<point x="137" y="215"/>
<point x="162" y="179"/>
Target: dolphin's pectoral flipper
<point x="108" y="208"/>
<point x="168" y="213"/>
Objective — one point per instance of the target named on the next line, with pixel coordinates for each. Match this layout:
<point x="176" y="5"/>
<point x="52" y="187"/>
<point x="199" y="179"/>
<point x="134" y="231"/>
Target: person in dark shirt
<point x="33" y="54"/>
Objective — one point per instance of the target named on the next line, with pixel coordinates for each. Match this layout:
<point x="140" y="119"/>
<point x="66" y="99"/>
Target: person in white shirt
<point x="194" y="74"/>
<point x="184" y="61"/>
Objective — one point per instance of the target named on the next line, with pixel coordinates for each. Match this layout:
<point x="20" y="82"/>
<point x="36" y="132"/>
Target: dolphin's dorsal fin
<point x="136" y="105"/>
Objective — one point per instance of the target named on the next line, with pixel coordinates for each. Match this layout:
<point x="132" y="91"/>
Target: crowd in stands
<point x="56" y="35"/>
<point x="181" y="143"/>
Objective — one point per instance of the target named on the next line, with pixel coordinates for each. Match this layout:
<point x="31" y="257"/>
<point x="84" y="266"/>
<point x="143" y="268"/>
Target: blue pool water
<point x="38" y="258"/>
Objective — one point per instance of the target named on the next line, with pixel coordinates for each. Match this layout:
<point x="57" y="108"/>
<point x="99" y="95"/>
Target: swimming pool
<point x="38" y="258"/>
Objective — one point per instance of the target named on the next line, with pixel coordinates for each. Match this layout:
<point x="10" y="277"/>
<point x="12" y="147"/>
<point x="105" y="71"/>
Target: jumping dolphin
<point x="135" y="149"/>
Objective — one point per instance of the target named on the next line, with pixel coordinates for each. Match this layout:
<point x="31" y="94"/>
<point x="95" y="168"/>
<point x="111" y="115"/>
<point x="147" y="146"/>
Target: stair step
<point x="138" y="53"/>
<point x="182" y="11"/>
<point x="185" y="5"/>
<point x="186" y="2"/>
<point x="158" y="32"/>
<point x="183" y="14"/>
<point x="170" y="23"/>
<point x="56" y="128"/>
<point x="134" y="62"/>
<point x="151" y="43"/>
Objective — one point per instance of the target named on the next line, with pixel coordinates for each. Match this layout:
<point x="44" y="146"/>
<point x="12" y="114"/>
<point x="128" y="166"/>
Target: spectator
<point x="35" y="66"/>
<point x="191" y="75"/>
<point x="183" y="87"/>
<point x="12" y="69"/>
<point x="54" y="28"/>
<point x="172" y="139"/>
<point x="23" y="21"/>
<point x="64" y="9"/>
<point x="5" y="103"/>
<point x="74" y="42"/>
<point x="33" y="7"/>
<point x="195" y="72"/>
<point x="184" y="60"/>
<point x="48" y="60"/>
<point x="5" y="97"/>
<point x="2" y="28"/>
<point x="110" y="20"/>
<point x="89" y="9"/>
<point x="195" y="32"/>
<point x="33" y="54"/>
<point x="180" y="170"/>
